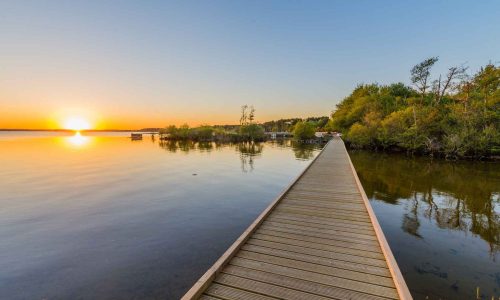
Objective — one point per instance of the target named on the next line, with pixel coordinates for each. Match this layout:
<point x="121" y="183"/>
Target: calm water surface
<point x="441" y="219"/>
<point x="104" y="217"/>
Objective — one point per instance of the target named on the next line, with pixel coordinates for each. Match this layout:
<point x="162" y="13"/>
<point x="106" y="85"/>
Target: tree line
<point x="455" y="115"/>
<point x="247" y="129"/>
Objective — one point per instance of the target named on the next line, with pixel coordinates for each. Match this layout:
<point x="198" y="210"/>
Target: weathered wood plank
<point x="206" y="297"/>
<point x="328" y="279"/>
<point x="328" y="231"/>
<point x="343" y="207"/>
<point x="310" y="233"/>
<point x="325" y="247"/>
<point x="230" y="293"/>
<point x="265" y="288"/>
<point x="282" y="259"/>
<point x="321" y="253"/>
<point x="281" y="219"/>
<point x="297" y="284"/>
<point x="312" y="239"/>
<point x="320" y="220"/>
<point x="319" y="213"/>
<point x="320" y="260"/>
<point x="339" y="200"/>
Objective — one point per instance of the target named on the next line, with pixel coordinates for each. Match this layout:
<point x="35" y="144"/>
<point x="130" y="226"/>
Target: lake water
<point x="104" y="217"/>
<point x="441" y="219"/>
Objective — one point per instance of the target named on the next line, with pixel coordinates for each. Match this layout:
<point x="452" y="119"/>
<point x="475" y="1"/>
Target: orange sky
<point x="41" y="116"/>
<point x="38" y="101"/>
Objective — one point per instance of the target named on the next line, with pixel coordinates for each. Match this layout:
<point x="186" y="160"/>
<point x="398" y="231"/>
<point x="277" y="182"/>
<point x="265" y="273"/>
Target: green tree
<point x="252" y="132"/>
<point x="203" y="133"/>
<point x="304" y="131"/>
<point x="458" y="117"/>
<point x="420" y="75"/>
<point x="183" y="132"/>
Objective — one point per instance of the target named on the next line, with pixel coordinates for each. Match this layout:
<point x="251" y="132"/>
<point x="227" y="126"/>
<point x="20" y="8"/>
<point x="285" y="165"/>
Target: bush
<point x="202" y="133"/>
<point x="358" y="135"/>
<point x="252" y="132"/>
<point x="304" y="131"/>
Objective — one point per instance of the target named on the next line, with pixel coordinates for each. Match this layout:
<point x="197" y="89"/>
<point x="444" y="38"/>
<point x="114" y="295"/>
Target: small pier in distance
<point x="319" y="239"/>
<point x="136" y="136"/>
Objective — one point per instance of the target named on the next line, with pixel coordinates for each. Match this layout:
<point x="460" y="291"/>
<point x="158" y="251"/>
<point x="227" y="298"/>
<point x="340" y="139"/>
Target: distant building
<point x="275" y="135"/>
<point x="322" y="134"/>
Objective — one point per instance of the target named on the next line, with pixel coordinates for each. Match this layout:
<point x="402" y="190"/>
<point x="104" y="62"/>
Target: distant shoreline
<point x="69" y="130"/>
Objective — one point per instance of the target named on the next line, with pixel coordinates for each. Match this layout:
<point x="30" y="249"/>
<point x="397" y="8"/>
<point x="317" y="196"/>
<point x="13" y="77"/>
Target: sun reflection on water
<point x="78" y="140"/>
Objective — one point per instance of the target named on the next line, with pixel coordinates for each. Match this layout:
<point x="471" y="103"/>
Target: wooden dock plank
<point x="281" y="219"/>
<point x="296" y="283"/>
<point x="355" y="208"/>
<point x="327" y="236"/>
<point x="325" y="247"/>
<point x="265" y="288"/>
<point x="317" y="252"/>
<point x="318" y="240"/>
<point x="231" y="293"/>
<point x="206" y="297"/>
<point x="327" y="231"/>
<point x="313" y="278"/>
<point x="328" y="279"/>
<point x="320" y="213"/>
<point x="348" y="266"/>
<point x="282" y="259"/>
<point x="332" y="242"/>
<point x="320" y="221"/>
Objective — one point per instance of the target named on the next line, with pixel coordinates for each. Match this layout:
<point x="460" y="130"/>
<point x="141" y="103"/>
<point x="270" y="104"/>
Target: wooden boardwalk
<point x="318" y="240"/>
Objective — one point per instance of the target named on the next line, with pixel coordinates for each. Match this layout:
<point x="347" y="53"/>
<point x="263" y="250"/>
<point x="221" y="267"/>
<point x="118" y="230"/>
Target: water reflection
<point x="459" y="195"/>
<point x="248" y="151"/>
<point x="78" y="140"/>
<point x="437" y="201"/>
<point x="170" y="146"/>
<point x="304" y="151"/>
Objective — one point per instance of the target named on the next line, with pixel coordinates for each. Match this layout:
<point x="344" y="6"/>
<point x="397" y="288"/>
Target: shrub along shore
<point x="455" y="116"/>
<point x="248" y="130"/>
<point x="303" y="132"/>
<point x="205" y="133"/>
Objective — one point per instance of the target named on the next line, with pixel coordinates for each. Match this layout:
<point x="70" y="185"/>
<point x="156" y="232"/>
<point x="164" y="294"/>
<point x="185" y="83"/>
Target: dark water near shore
<point x="104" y="217"/>
<point x="441" y="219"/>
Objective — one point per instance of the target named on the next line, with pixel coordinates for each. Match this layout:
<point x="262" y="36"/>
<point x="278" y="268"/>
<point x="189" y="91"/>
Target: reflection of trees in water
<point x="169" y="145"/>
<point x="281" y="143"/>
<point x="455" y="195"/>
<point x="185" y="146"/>
<point x="411" y="224"/>
<point x="205" y="146"/>
<point x="304" y="151"/>
<point x="248" y="151"/>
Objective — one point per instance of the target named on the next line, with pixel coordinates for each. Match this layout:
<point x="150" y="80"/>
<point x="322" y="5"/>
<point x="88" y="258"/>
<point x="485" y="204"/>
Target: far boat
<point x="136" y="136"/>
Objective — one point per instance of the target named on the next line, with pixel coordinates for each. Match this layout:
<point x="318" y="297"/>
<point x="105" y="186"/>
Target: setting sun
<point x="76" y="123"/>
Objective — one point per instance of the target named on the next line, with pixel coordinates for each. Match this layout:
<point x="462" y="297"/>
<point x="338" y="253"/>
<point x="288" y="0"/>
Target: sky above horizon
<point x="135" y="64"/>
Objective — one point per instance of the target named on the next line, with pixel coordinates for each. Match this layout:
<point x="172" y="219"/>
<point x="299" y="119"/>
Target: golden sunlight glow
<point x="78" y="140"/>
<point x="76" y="123"/>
